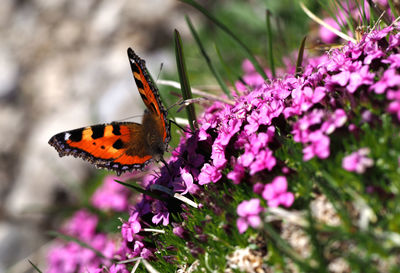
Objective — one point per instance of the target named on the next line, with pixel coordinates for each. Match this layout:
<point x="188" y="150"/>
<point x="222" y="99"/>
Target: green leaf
<point x="185" y="86"/>
<point x="34" y="266"/>
<point x="223" y="27"/>
<point x="227" y="69"/>
<point x="215" y="72"/>
<point x="393" y="9"/>
<point x="139" y="189"/>
<point x="270" y="52"/>
<point x="299" y="62"/>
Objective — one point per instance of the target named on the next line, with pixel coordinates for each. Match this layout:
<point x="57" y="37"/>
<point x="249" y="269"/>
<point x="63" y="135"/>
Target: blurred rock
<point x="63" y="65"/>
<point x="9" y="71"/>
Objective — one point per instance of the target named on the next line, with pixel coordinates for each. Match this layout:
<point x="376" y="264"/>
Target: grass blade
<point x="75" y="240"/>
<point x="185" y="86"/>
<point x="379" y="12"/>
<point x="223" y="27"/>
<point x="299" y="61"/>
<point x="322" y="23"/>
<point x="227" y="69"/>
<point x="215" y="72"/>
<point x="393" y="9"/>
<point x="270" y="52"/>
<point x="34" y="266"/>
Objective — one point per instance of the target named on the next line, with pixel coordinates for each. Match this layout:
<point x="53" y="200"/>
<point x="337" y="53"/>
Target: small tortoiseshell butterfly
<point x="122" y="146"/>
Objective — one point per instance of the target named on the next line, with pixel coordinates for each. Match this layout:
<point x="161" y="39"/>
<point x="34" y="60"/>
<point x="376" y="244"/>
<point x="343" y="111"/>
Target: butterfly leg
<point x="166" y="165"/>
<point x="180" y="127"/>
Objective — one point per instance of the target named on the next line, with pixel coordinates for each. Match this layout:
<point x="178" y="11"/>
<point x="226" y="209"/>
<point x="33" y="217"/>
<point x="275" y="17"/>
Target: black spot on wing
<point x="139" y="83"/>
<point x="144" y="98"/>
<point x="98" y="131"/>
<point x="76" y="135"/>
<point x="118" y="144"/>
<point x="116" y="130"/>
<point x="154" y="109"/>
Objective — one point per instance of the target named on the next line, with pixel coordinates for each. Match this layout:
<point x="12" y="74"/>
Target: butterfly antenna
<point x="130" y="117"/>
<point x="180" y="101"/>
<point x="159" y="71"/>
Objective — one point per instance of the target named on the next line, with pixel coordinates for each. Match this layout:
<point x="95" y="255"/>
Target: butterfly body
<point x="122" y="146"/>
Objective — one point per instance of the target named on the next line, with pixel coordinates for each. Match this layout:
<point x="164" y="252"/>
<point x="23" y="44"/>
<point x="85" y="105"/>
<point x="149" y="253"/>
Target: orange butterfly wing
<point x="148" y="91"/>
<point x="122" y="146"/>
<point x="106" y="145"/>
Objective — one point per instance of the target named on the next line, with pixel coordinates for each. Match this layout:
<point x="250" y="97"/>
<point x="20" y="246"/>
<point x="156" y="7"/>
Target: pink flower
<point x="263" y="160"/>
<point x="118" y="268"/>
<point x="357" y="161"/>
<point x="326" y="35"/>
<point x="237" y="173"/>
<point x="248" y="212"/>
<point x="130" y="228"/>
<point x="335" y="120"/>
<point x="319" y="146"/>
<point x="111" y="195"/>
<point x="82" y="225"/>
<point x="209" y="174"/>
<point x="394" y="108"/>
<point x="276" y="193"/>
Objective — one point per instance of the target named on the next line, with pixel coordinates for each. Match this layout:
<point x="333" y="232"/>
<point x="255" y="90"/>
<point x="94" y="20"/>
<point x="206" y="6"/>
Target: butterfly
<point x="122" y="146"/>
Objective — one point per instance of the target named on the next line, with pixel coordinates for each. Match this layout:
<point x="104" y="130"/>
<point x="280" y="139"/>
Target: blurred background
<point x="63" y="65"/>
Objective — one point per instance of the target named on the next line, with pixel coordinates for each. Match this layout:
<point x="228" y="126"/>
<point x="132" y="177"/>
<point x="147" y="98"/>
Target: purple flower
<point x="389" y="79"/>
<point x="357" y="161"/>
<point x="179" y="231"/>
<point x="248" y="212"/>
<point x="184" y="183"/>
<point x="276" y="193"/>
<point x="160" y="212"/>
<point x="361" y="77"/>
<point x="130" y="228"/>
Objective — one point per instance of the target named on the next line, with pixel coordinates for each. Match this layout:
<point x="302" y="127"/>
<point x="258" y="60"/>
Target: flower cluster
<point x="239" y="143"/>
<point x="79" y="255"/>
<point x="72" y="256"/>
